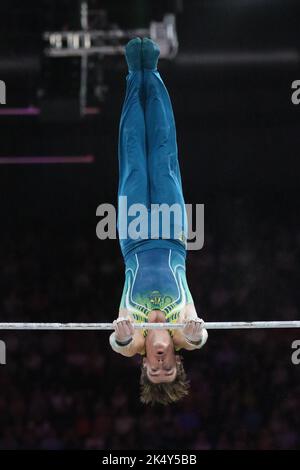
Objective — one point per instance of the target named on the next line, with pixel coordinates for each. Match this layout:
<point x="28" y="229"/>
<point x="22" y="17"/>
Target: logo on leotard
<point x="155" y="300"/>
<point x="158" y="301"/>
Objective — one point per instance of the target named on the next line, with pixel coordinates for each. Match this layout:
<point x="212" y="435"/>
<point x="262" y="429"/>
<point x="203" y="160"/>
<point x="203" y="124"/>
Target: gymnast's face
<point x="160" y="360"/>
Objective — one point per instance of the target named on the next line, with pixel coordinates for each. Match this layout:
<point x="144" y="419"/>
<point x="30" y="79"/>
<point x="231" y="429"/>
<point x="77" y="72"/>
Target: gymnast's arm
<point x="125" y="339"/>
<point x="193" y="335"/>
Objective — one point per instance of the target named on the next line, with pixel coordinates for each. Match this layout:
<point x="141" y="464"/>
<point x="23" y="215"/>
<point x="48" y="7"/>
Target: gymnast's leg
<point x="133" y="175"/>
<point x="163" y="167"/>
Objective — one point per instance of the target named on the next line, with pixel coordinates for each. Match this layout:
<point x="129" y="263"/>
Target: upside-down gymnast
<point x="156" y="288"/>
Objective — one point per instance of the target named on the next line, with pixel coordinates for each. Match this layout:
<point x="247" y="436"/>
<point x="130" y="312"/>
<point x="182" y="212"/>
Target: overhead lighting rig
<point x="89" y="44"/>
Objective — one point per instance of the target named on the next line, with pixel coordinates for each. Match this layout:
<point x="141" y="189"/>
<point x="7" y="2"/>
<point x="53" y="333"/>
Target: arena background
<point x="238" y="137"/>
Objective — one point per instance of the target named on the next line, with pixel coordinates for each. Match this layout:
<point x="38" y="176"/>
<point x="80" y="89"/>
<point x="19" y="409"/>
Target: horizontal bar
<point x="150" y="326"/>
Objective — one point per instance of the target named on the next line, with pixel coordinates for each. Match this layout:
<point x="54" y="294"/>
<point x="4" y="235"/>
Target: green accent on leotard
<point x="155" y="280"/>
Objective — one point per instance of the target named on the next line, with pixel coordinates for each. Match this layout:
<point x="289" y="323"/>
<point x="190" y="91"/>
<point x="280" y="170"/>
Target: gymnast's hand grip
<point x="124" y="329"/>
<point x="193" y="330"/>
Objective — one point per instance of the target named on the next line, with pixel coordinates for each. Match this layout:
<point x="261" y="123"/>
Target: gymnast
<point x="156" y="288"/>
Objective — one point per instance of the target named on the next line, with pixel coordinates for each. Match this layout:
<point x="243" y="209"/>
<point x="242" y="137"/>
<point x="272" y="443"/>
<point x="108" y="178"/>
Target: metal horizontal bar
<point x="150" y="326"/>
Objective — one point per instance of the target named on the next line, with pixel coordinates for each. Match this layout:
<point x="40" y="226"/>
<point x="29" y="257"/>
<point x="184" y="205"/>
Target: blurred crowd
<point x="69" y="390"/>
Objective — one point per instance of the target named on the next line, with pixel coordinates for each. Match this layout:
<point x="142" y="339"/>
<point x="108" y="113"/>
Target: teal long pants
<point x="148" y="163"/>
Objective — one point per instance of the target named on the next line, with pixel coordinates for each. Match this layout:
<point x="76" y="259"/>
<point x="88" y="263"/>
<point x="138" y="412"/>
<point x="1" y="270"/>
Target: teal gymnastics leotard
<point x="155" y="280"/>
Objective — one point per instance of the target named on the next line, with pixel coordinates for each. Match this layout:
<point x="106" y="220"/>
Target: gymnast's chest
<point x="155" y="288"/>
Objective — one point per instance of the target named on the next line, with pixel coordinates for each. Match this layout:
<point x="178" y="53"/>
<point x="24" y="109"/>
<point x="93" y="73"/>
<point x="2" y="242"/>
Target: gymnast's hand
<point x="124" y="329"/>
<point x="193" y="330"/>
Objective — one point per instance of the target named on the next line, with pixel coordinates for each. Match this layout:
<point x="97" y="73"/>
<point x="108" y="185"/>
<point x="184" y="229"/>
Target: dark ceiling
<point x="230" y="85"/>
